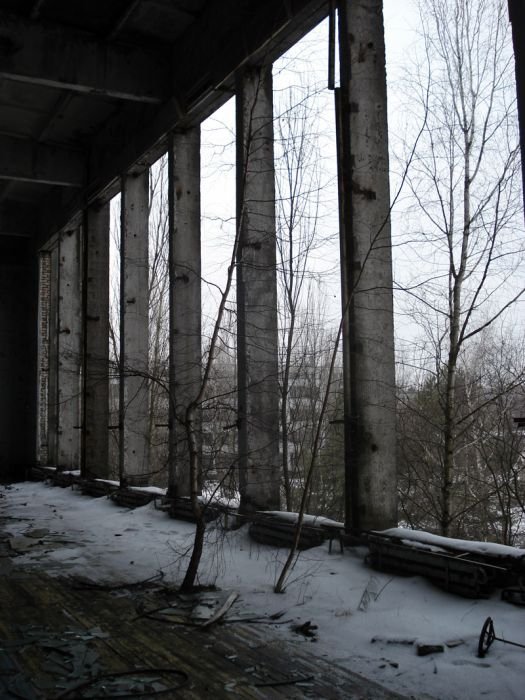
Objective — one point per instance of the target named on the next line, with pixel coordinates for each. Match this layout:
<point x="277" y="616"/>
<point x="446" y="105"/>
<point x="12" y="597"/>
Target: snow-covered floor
<point x="367" y="621"/>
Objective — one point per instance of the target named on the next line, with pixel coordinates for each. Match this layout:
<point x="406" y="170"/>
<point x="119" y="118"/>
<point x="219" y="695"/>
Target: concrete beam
<point x="366" y="269"/>
<point x="257" y="32"/>
<point x="134" y="335"/>
<point x="137" y="136"/>
<point x="39" y="162"/>
<point x="185" y="300"/>
<point x="257" y="342"/>
<point x="62" y="58"/>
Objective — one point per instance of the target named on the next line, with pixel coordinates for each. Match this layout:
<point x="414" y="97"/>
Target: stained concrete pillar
<point x="69" y="350"/>
<point x="257" y="343"/>
<point x="185" y="302"/>
<point x="95" y="318"/>
<point x="134" y="331"/>
<point x="366" y="258"/>
<point x="52" y="353"/>
<point x="44" y="281"/>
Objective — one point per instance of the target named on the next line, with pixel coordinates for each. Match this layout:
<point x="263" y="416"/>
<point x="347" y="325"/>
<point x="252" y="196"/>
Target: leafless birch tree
<point x="467" y="232"/>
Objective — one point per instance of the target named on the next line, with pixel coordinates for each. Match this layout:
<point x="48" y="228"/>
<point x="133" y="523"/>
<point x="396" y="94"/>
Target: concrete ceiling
<point x="90" y="88"/>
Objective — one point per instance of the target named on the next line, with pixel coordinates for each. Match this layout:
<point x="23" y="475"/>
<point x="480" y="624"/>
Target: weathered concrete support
<point x="44" y="282"/>
<point x="366" y="260"/>
<point x="52" y="353"/>
<point x="258" y="389"/>
<point x="134" y="330"/>
<point x="95" y="318"/>
<point x="185" y="301"/>
<point x="69" y="342"/>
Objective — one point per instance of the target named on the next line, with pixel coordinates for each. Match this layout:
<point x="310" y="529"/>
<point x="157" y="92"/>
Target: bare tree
<point x="299" y="185"/>
<point x="158" y="319"/>
<point x="464" y="183"/>
<point x="487" y="498"/>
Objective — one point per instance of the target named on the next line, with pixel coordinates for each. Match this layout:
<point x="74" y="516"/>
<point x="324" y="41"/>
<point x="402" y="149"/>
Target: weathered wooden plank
<point x="237" y="660"/>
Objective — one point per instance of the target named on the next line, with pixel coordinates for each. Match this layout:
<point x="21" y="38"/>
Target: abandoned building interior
<point x="92" y="94"/>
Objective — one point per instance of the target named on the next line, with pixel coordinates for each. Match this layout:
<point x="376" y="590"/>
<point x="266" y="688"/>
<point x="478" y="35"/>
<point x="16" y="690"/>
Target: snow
<point x="213" y="493"/>
<point x="367" y="621"/>
<point x="155" y="490"/>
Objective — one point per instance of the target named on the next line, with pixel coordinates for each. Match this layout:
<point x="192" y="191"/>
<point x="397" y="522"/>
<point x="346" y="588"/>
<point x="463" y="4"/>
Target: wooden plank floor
<point x="59" y="641"/>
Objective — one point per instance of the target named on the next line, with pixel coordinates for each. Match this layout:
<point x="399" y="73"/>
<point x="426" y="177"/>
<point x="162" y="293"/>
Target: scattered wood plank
<point x="460" y="574"/>
<point x="269" y="529"/>
<point x="221" y="612"/>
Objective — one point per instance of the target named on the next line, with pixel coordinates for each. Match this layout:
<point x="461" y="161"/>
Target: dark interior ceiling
<point x="89" y="89"/>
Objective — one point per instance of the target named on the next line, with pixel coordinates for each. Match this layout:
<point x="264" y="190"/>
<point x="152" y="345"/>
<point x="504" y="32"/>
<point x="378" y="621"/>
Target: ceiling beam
<point x="136" y="136"/>
<point x="258" y="33"/>
<point x="60" y="58"/>
<point x="122" y="19"/>
<point x="36" y="162"/>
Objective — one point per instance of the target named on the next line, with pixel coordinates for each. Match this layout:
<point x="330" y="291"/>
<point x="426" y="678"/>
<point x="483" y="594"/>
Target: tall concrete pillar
<point x="257" y="343"/>
<point x="95" y="319"/>
<point x="69" y="341"/>
<point x="366" y="263"/>
<point x="185" y="301"/>
<point x="44" y="291"/>
<point x="134" y="330"/>
<point x="52" y="354"/>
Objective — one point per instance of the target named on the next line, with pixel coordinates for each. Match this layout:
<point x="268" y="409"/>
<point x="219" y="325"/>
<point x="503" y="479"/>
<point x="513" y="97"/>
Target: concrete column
<point x="69" y="340"/>
<point x="258" y="390"/>
<point x="52" y="353"/>
<point x="185" y="300"/>
<point x="134" y="335"/>
<point x="44" y="280"/>
<point x="95" y="317"/>
<point x="366" y="262"/>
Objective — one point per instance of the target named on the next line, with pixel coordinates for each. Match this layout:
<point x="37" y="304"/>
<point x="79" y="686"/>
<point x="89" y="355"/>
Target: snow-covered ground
<point x="367" y="621"/>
